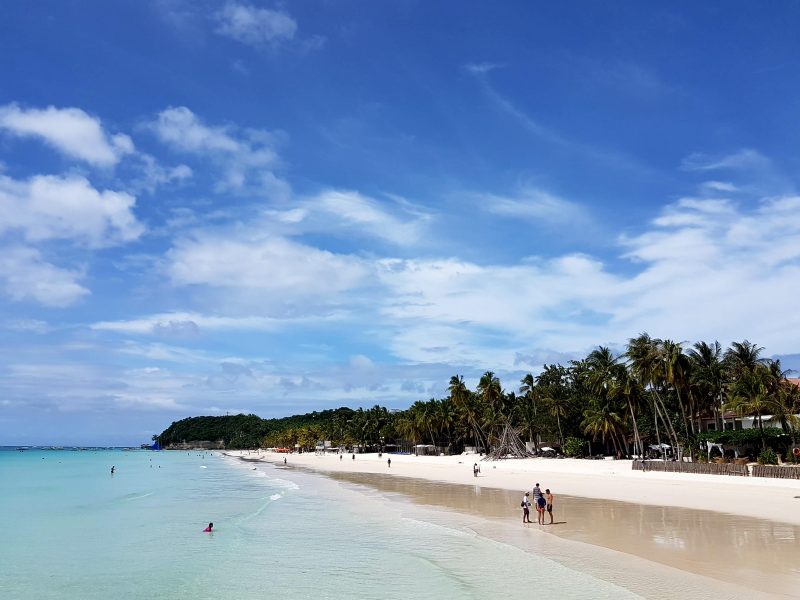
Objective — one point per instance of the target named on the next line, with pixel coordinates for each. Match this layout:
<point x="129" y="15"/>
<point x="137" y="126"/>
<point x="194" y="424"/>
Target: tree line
<point x="655" y="392"/>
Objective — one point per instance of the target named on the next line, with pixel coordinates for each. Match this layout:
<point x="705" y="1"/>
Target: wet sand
<point x="761" y="555"/>
<point x="654" y="550"/>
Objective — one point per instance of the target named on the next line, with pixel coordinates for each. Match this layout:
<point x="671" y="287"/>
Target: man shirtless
<point x="549" y="499"/>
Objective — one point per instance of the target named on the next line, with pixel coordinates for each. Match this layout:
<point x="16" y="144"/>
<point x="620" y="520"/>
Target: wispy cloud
<point x="603" y="156"/>
<point x="246" y="157"/>
<point x="482" y="68"/>
<point x="745" y="158"/>
<point x="720" y="186"/>
<point x="181" y="324"/>
<point x="254" y="26"/>
<point x="348" y="213"/>
<point x="535" y="206"/>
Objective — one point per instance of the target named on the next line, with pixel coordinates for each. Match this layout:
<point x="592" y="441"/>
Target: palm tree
<point x="676" y="372"/>
<point x="787" y="408"/>
<point x="462" y="400"/>
<point x="751" y="395"/>
<point x="601" y="419"/>
<point x="647" y="366"/>
<point x="708" y="379"/>
<point x="742" y="357"/>
<point x="492" y="402"/>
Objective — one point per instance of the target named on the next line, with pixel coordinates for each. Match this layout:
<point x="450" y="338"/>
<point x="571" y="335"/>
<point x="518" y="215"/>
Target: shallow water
<point x="754" y="553"/>
<point x="72" y="530"/>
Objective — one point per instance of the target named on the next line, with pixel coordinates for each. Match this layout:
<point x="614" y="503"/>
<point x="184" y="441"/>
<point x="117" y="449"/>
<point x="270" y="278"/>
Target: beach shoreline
<point x="775" y="500"/>
<point x="651" y="536"/>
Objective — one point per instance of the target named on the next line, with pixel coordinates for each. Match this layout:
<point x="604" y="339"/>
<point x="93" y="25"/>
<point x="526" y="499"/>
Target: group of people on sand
<point x="541" y="502"/>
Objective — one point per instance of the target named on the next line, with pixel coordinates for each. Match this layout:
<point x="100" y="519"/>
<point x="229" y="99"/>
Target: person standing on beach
<point x="475" y="469"/>
<point x="538" y="504"/>
<point x="537" y="491"/>
<point x="354" y="455"/>
<point x="526" y="508"/>
<point x="389" y="462"/>
<point x="549" y="499"/>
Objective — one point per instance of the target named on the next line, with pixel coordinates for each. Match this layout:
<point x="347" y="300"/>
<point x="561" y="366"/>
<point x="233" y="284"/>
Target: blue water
<point x="72" y="530"/>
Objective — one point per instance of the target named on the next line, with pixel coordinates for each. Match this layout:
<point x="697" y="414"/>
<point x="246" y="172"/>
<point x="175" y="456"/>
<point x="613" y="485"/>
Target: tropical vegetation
<point x="657" y="392"/>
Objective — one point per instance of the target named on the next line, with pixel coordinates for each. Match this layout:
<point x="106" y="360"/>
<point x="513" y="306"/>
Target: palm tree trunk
<point x="665" y="418"/>
<point x="636" y="438"/>
<point x="560" y="434"/>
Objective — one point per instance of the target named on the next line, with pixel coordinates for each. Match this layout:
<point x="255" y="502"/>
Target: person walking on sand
<point x="549" y="498"/>
<point x="475" y="470"/>
<point x="389" y="462"/>
<point x="526" y="508"/>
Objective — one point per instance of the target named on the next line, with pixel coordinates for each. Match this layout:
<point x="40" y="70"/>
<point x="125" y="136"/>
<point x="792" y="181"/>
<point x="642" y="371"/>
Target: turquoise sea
<point x="73" y="530"/>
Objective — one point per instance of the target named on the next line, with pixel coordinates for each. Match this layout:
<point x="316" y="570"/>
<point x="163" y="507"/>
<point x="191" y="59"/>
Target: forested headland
<point x="657" y="392"/>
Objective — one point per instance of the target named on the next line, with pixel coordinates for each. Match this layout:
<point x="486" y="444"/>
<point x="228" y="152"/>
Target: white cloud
<point x="48" y="207"/>
<point x="482" y="68"/>
<point x="153" y="175"/>
<point x="348" y="213"/>
<point x="25" y="275"/>
<point x="246" y="157"/>
<point x="180" y="128"/>
<point x="720" y="186"/>
<point x="69" y="130"/>
<point x="535" y="206"/>
<point x="255" y="26"/>
<point x="745" y="158"/>
<point x="28" y="325"/>
<point x="181" y="322"/>
<point x="279" y="269"/>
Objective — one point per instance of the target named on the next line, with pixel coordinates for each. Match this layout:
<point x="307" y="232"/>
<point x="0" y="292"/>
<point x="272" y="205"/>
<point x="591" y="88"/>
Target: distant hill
<point x="244" y="431"/>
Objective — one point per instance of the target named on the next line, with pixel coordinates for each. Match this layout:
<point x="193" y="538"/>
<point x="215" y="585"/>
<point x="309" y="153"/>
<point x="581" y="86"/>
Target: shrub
<point x="574" y="447"/>
<point x="768" y="457"/>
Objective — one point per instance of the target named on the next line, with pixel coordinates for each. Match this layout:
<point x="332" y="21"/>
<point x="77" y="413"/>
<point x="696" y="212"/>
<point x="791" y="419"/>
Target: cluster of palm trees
<point x="657" y="391"/>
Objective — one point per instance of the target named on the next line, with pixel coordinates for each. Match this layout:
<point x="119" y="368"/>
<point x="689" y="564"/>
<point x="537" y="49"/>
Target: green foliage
<point x="742" y="437"/>
<point x="656" y="392"/>
<point x="244" y="431"/>
<point x="768" y="457"/>
<point x="574" y="447"/>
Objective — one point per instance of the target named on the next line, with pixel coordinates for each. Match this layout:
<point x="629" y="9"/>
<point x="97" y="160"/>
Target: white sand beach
<point x="739" y="531"/>
<point x="773" y="499"/>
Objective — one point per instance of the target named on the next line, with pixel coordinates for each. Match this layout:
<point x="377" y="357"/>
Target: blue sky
<point x="211" y="207"/>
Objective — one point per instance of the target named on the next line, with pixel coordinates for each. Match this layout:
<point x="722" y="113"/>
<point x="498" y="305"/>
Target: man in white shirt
<point x="526" y="508"/>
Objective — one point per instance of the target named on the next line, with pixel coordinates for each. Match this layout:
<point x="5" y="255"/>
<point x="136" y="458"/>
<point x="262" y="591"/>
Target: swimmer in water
<point x="209" y="528"/>
<point x="113" y="468"/>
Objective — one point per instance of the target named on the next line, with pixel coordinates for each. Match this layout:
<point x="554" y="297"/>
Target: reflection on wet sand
<point x="762" y="555"/>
